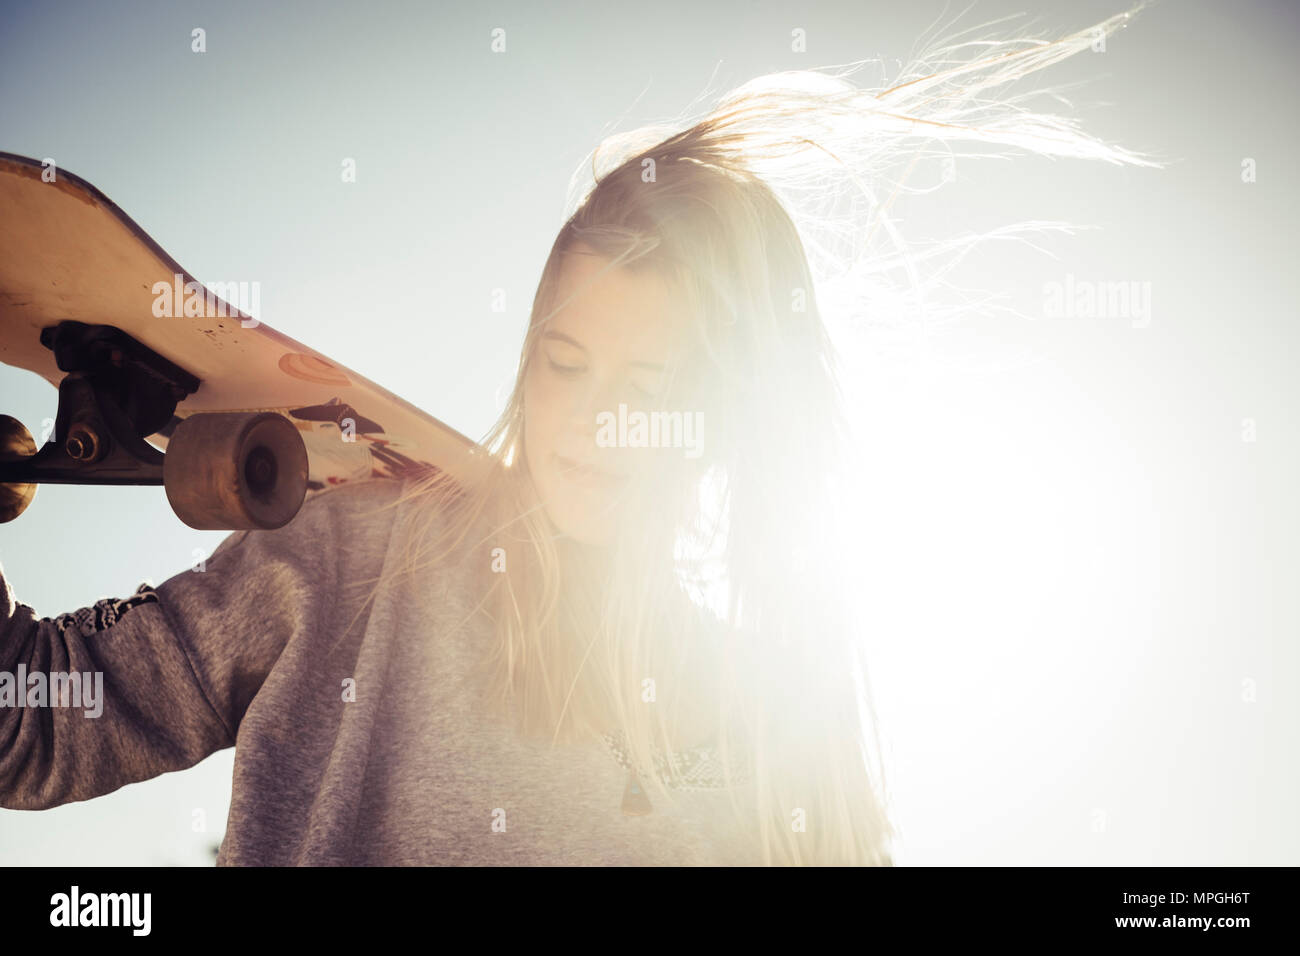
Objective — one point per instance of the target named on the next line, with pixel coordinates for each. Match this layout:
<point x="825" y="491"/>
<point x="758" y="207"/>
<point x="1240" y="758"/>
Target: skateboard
<point x="163" y="381"/>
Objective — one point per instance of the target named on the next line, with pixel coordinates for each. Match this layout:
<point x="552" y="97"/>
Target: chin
<point x="587" y="518"/>
<point x="582" y="518"/>
<point x="586" y="529"/>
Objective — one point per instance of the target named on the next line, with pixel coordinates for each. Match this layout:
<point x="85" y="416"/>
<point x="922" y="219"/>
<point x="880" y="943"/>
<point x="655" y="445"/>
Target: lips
<point x="587" y="475"/>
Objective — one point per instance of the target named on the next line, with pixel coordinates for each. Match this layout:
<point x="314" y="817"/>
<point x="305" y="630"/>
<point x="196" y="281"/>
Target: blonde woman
<point x="629" y="642"/>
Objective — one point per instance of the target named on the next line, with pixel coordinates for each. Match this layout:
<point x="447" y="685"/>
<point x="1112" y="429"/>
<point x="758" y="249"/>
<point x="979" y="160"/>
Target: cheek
<point x="539" y="415"/>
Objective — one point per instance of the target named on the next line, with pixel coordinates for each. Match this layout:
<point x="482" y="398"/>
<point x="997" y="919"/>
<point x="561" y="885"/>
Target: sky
<point x="1082" y="571"/>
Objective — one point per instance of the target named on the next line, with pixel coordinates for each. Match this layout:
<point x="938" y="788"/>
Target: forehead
<point x="618" y="312"/>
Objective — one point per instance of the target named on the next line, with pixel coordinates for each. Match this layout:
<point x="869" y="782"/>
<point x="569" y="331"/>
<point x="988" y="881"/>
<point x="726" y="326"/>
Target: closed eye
<point x="572" y="371"/>
<point x="564" y="369"/>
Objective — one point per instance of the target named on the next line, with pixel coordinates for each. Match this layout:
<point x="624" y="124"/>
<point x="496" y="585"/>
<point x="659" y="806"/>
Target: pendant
<point x="635" y="801"/>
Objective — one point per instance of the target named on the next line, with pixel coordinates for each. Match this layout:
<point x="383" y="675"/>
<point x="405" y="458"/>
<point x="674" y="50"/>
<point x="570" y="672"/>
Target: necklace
<point x="698" y="768"/>
<point x="635" y="801"/>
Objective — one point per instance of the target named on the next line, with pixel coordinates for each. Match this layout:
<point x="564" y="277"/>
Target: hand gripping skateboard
<point x="147" y="360"/>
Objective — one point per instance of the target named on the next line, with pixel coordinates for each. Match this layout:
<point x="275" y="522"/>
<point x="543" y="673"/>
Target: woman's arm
<point x="165" y="675"/>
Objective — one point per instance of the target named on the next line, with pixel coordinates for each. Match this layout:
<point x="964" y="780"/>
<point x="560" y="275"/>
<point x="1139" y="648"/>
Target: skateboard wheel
<point x="235" y="471"/>
<point x="15" y="442"/>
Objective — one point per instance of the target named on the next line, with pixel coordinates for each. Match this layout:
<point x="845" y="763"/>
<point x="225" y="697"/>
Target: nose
<point x="598" y="395"/>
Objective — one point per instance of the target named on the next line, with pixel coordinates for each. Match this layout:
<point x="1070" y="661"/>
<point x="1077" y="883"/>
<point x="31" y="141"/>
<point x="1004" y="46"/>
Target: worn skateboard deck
<point x="68" y="253"/>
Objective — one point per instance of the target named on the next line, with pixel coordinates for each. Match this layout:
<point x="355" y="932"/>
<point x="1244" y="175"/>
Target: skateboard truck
<point x="221" y="471"/>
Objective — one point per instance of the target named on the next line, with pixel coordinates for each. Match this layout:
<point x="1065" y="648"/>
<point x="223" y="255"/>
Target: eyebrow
<point x="574" y="342"/>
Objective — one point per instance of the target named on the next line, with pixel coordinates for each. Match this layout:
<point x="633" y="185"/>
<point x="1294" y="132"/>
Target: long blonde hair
<point x="762" y="216"/>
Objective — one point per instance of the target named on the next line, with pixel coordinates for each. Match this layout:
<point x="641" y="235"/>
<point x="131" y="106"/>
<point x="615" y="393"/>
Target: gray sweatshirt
<point x="412" y="772"/>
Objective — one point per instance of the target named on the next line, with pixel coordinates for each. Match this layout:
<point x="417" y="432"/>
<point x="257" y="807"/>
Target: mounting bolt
<point x="82" y="443"/>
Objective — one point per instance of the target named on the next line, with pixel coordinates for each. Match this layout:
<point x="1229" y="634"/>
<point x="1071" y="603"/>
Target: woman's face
<point x="613" y="342"/>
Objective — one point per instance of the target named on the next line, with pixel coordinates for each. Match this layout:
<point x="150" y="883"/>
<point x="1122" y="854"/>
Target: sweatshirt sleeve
<point x="167" y="673"/>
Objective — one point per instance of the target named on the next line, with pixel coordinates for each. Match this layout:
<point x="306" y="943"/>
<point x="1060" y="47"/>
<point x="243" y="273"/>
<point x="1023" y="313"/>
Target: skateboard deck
<point x="70" y="258"/>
